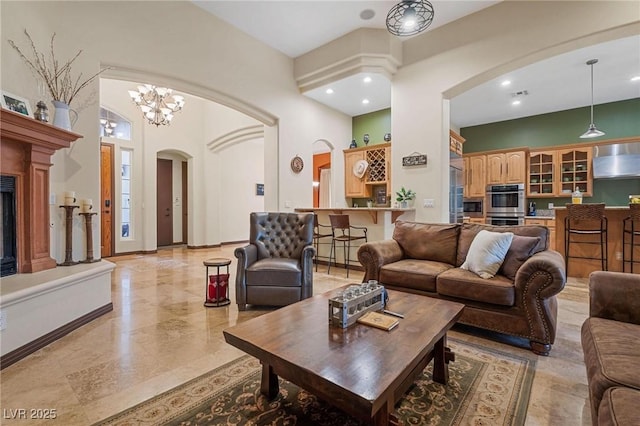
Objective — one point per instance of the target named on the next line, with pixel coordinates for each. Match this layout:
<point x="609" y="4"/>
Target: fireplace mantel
<point x="26" y="147"/>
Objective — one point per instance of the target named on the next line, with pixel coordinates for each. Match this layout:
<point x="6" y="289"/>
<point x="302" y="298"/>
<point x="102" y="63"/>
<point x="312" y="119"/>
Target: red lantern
<point x="217" y="288"/>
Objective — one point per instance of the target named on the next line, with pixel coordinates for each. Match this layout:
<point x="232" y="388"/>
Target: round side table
<point x="217" y="286"/>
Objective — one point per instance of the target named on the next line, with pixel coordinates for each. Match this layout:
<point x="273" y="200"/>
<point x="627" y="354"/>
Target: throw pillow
<point x="522" y="248"/>
<point x="487" y="252"/>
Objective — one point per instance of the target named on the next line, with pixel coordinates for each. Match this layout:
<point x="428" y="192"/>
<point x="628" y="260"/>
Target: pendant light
<point x="409" y="17"/>
<point x="592" y="131"/>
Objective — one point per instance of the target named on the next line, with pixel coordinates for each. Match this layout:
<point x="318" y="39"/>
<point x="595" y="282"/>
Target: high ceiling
<point x="559" y="83"/>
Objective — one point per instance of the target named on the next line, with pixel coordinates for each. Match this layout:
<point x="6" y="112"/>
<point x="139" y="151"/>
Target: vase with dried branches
<point x="57" y="78"/>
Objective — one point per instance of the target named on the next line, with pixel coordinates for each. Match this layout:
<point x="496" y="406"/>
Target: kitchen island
<point x="581" y="268"/>
<point x="378" y="220"/>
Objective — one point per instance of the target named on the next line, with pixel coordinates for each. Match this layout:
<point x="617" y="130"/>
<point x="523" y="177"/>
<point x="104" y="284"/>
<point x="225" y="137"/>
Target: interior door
<point x="165" y="202"/>
<point x="106" y="199"/>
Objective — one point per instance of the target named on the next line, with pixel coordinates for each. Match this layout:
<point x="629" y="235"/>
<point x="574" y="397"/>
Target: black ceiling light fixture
<point x="409" y="17"/>
<point x="592" y="131"/>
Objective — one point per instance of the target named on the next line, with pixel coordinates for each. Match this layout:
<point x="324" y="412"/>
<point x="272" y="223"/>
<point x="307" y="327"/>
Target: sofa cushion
<point x="619" y="407"/>
<point x="282" y="272"/>
<point x="520" y="250"/>
<point x="458" y="282"/>
<point x="468" y="232"/>
<point x="487" y="252"/>
<point x="611" y="351"/>
<point x="413" y="273"/>
<point x="425" y="241"/>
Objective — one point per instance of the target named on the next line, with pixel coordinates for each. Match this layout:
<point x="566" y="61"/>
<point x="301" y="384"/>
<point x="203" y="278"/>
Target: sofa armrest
<point x="246" y="255"/>
<point x="375" y="255"/>
<point x="615" y="296"/>
<point x="537" y="282"/>
<point x="547" y="264"/>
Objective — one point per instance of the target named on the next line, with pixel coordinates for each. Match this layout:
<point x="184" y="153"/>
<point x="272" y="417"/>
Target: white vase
<point x="404" y="204"/>
<point x="62" y="115"/>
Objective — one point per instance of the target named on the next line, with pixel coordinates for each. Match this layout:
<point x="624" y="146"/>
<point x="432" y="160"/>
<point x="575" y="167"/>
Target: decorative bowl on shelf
<point x="534" y="180"/>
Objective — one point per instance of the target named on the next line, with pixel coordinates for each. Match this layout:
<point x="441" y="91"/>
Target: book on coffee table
<point x="379" y="320"/>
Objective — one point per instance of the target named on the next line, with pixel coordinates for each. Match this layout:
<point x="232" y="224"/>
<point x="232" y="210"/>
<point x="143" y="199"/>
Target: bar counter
<point x="378" y="220"/>
<point x="581" y="268"/>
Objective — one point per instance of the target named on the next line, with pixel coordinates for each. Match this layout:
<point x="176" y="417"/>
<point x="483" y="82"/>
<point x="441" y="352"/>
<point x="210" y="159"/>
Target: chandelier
<point x="157" y="103"/>
<point x="409" y="17"/>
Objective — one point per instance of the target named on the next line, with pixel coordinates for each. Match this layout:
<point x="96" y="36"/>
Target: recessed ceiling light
<point x="329" y="91"/>
<point x="367" y="79"/>
<point x="505" y="83"/>
<point x="365" y="101"/>
<point x="635" y="78"/>
<point x="367" y="14"/>
<point x="515" y="103"/>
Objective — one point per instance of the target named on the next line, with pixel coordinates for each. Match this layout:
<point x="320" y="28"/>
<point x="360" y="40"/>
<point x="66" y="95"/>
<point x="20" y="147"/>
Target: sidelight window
<point x="125" y="209"/>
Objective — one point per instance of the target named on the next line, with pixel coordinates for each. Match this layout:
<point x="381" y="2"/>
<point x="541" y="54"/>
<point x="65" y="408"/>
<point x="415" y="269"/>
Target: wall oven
<point x="505" y="204"/>
<point x="504" y="220"/>
<point x="506" y="200"/>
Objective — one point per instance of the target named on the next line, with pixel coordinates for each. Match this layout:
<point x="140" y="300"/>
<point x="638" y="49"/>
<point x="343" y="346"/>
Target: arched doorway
<point x="322" y="182"/>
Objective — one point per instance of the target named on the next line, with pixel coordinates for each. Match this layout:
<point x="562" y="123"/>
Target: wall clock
<point x="297" y="164"/>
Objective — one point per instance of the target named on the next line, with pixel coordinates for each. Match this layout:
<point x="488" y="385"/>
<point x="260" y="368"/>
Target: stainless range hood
<point x="616" y="161"/>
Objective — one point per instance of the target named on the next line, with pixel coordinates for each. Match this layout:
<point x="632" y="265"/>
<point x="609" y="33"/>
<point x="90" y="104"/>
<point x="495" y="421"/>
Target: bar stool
<point x="319" y="234"/>
<point x="586" y="220"/>
<point x="631" y="228"/>
<point x="341" y="232"/>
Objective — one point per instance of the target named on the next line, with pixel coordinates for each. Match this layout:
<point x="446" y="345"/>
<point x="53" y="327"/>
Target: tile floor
<point x="160" y="335"/>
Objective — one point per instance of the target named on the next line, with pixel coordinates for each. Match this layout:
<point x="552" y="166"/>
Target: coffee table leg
<point x="441" y="357"/>
<point x="269" y="384"/>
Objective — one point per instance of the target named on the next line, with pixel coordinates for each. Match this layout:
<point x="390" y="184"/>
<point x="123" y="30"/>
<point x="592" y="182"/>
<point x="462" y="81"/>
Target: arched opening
<point x="322" y="181"/>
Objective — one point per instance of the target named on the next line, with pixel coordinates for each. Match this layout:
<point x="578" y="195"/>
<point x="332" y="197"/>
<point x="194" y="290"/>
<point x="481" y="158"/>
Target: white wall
<point x="197" y="53"/>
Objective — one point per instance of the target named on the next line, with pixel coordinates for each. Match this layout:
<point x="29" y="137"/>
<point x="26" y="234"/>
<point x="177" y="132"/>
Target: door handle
<point x="107" y="203"/>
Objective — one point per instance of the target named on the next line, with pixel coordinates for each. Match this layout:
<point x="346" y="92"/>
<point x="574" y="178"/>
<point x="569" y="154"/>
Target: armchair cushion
<point x="275" y="271"/>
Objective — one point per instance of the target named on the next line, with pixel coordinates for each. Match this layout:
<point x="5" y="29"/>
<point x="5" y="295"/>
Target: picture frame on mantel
<point x="16" y="103"/>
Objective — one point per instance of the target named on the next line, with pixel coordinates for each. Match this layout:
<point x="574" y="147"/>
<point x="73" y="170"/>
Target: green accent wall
<point x="376" y="124"/>
<point x="616" y="119"/>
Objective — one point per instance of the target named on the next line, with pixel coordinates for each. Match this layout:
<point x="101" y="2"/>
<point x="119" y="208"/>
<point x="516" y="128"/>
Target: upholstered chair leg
<point x="242" y="307"/>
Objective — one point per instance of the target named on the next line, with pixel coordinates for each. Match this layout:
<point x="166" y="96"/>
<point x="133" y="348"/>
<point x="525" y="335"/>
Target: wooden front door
<point x="165" y="202"/>
<point x="106" y="199"/>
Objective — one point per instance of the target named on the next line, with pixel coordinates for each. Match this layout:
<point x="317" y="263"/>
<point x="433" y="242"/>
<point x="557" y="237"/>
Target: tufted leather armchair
<point x="276" y="268"/>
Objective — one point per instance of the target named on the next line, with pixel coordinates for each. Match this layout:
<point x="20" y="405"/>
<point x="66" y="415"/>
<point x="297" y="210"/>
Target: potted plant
<point x="404" y="196"/>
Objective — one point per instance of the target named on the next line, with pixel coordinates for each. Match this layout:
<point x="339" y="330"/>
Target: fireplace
<point x="8" y="262"/>
<point x="25" y="158"/>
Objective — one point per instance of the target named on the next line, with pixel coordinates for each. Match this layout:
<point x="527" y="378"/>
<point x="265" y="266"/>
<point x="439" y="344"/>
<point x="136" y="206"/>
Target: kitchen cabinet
<point x="550" y="223"/>
<point x="543" y="177"/>
<point x="575" y="170"/>
<point x="354" y="186"/>
<point x="557" y="173"/>
<point x="506" y="167"/>
<point x="377" y="176"/>
<point x="473" y="220"/>
<point x="474" y="176"/>
<point x="455" y="142"/>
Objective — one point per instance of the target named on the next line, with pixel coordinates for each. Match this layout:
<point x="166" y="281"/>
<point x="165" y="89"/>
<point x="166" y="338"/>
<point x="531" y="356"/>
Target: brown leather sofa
<point x="520" y="300"/>
<point x="276" y="268"/>
<point x="611" y="346"/>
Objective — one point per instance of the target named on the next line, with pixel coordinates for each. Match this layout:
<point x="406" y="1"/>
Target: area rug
<point x="486" y="387"/>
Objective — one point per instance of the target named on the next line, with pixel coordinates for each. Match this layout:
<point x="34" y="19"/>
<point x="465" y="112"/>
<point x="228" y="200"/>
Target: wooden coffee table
<point x="362" y="370"/>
